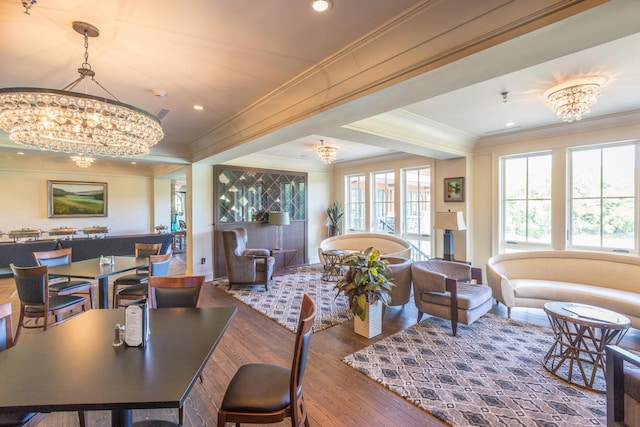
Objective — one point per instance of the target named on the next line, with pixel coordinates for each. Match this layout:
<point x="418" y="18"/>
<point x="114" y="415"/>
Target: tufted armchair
<point x="623" y="387"/>
<point x="245" y="266"/>
<point x="444" y="289"/>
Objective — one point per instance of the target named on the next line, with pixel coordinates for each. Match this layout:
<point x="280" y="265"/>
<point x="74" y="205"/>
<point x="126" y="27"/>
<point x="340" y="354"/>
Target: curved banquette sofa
<point x="386" y="244"/>
<point x="531" y="279"/>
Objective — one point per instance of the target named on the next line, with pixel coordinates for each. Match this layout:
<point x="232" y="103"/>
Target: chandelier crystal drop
<point x="327" y="153"/>
<point x="83" y="161"/>
<point x="573" y="99"/>
<point x="72" y="122"/>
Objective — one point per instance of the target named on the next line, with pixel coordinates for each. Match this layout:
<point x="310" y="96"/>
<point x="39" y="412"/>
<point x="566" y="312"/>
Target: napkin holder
<point x="106" y="260"/>
<point x="136" y="321"/>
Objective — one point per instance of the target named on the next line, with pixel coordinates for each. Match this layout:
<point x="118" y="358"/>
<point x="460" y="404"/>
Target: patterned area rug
<point x="283" y="299"/>
<point x="490" y="374"/>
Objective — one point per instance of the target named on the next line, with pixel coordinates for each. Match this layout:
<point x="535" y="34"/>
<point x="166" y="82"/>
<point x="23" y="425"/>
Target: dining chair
<point x="174" y="291"/>
<point x="265" y="394"/>
<point x="18" y="419"/>
<point x="142" y="250"/>
<point x="158" y="266"/>
<point x="141" y="275"/>
<point x="63" y="285"/>
<point x="32" y="285"/>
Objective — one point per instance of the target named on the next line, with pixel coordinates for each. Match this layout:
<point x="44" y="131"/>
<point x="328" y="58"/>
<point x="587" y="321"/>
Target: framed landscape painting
<point x="68" y="199"/>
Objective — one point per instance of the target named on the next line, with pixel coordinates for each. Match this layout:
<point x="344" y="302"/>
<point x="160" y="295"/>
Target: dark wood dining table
<point x="74" y="367"/>
<point x="93" y="270"/>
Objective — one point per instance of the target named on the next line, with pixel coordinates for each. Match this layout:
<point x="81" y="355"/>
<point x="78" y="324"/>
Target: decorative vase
<point x="372" y="323"/>
<point x="334" y="230"/>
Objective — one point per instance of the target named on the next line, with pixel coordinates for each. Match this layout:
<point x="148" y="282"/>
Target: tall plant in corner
<point x="335" y="213"/>
<point x="366" y="282"/>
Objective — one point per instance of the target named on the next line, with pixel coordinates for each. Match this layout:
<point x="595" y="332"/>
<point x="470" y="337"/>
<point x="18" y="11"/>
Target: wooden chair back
<point x="174" y="291"/>
<point x="159" y="264"/>
<point x="147" y="249"/>
<point x="54" y="257"/>
<point x="6" y="327"/>
<point x="303" y="338"/>
<point x="32" y="284"/>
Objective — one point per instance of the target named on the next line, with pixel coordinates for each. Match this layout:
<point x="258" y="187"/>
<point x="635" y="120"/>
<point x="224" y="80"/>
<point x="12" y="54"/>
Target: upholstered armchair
<point x="445" y="289"/>
<point x="245" y="266"/>
<point x="401" y="278"/>
<point x="623" y="387"/>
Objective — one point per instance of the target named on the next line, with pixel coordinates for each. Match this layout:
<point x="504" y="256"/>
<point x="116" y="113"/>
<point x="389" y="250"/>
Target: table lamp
<point x="279" y="219"/>
<point x="449" y="221"/>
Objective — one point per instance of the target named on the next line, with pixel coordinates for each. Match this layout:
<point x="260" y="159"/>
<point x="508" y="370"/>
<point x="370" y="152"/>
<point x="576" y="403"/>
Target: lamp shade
<point x="449" y="221"/>
<point x="279" y="218"/>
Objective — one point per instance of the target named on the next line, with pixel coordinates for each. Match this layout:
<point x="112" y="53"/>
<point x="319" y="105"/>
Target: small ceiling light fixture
<point x="72" y="122"/>
<point x="572" y="99"/>
<point x="83" y="161"/>
<point x="327" y="153"/>
<point x="321" y="5"/>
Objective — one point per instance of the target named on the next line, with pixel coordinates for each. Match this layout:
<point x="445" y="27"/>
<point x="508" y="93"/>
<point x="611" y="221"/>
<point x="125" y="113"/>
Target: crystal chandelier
<point x="327" y="153"/>
<point x="571" y="100"/>
<point x="72" y="122"/>
<point x="83" y="161"/>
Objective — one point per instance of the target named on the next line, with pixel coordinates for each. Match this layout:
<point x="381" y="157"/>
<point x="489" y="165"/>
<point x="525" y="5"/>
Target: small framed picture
<point x="454" y="189"/>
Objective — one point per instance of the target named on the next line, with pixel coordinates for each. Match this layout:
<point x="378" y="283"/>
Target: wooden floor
<point x="336" y="395"/>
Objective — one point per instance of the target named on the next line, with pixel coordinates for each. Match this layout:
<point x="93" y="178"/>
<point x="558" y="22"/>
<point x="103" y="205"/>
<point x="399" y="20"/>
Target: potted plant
<point x="334" y="218"/>
<point x="366" y="284"/>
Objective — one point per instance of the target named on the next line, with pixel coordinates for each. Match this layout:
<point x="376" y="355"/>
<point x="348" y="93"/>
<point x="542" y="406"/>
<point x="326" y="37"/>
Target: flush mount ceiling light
<point x="327" y="153"/>
<point x="72" y="122"/>
<point x="572" y="99"/>
<point x="83" y="161"/>
<point x="321" y="5"/>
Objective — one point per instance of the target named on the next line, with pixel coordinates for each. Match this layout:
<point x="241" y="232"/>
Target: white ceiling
<point x="226" y="55"/>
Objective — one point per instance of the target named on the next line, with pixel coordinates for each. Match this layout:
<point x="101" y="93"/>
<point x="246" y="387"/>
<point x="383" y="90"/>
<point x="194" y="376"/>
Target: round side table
<point x="582" y="332"/>
<point x="333" y="265"/>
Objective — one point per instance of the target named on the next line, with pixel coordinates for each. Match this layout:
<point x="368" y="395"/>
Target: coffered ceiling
<point x="243" y="59"/>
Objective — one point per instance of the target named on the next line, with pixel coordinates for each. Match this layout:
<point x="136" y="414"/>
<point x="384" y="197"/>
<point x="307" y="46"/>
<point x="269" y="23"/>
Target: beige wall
<point x="24" y="196"/>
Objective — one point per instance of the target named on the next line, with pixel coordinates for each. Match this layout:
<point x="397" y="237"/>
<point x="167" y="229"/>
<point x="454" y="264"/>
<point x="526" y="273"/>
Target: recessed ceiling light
<point x="321" y="5"/>
<point x="510" y="124"/>
<point x="134" y="163"/>
<point x="20" y="153"/>
<point x="198" y="107"/>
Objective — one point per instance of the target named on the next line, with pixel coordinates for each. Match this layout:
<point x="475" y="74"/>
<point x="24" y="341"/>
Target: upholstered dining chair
<point x="18" y="419"/>
<point x="246" y="266"/>
<point x="623" y="387"/>
<point x="6" y="342"/>
<point x="63" y="285"/>
<point x="445" y="289"/>
<point x="174" y="291"/>
<point x="32" y="285"/>
<point x="142" y="250"/>
<point x="265" y="394"/>
<point x="158" y="266"/>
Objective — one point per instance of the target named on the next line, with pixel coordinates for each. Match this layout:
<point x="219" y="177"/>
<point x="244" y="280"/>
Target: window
<point x="356" y="203"/>
<point x="383" y="202"/>
<point x="602" y="197"/>
<point x="526" y="201"/>
<point x="417" y="211"/>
